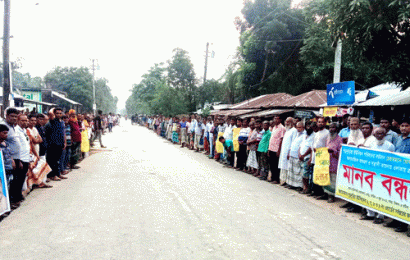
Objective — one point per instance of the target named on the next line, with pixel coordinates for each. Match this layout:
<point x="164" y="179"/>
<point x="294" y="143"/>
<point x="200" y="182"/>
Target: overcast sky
<point x="126" y="36"/>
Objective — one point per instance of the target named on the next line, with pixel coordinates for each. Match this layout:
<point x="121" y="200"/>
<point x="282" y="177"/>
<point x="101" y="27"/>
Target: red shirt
<point x="75" y="132"/>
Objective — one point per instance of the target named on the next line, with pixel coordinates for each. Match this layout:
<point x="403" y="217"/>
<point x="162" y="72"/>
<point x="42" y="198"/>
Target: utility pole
<point x="338" y="62"/>
<point x="94" y="104"/>
<point x="206" y="60"/>
<point x="6" y="57"/>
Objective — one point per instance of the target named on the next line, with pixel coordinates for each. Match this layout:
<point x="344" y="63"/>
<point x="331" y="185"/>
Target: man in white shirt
<point x="368" y="138"/>
<point x="294" y="179"/>
<point x="319" y="141"/>
<point x="111" y="121"/>
<point x="208" y="128"/>
<point x="288" y="138"/>
<point x="380" y="144"/>
<point x="191" y="131"/>
<point x="24" y="144"/>
<point x="228" y="134"/>
<point x="199" y="134"/>
<point x="355" y="134"/>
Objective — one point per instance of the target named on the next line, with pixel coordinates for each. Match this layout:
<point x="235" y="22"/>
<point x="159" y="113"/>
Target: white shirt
<point x="286" y="143"/>
<point x="319" y="141"/>
<point x="193" y="125"/>
<point x="199" y="126"/>
<point x="294" y="148"/>
<point x="367" y="142"/>
<point x="24" y="144"/>
<point x="228" y="135"/>
<point x="386" y="146"/>
<point x="244" y="132"/>
<point x="306" y="144"/>
<point x="208" y="127"/>
<point x="34" y="133"/>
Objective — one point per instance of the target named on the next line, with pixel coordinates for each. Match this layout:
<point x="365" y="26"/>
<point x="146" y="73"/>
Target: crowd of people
<point x="42" y="148"/>
<point x="284" y="154"/>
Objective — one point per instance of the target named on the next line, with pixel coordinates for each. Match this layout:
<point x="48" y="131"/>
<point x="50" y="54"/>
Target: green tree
<point x="181" y="76"/>
<point x="375" y="32"/>
<point x="77" y="83"/>
<point x="270" y="41"/>
<point x="209" y="92"/>
<point x="104" y="99"/>
<point x="317" y="52"/>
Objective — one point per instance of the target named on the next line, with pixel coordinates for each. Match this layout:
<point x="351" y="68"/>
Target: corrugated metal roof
<point x="234" y="112"/>
<point x="311" y="99"/>
<point x="267" y="113"/>
<point x="261" y="101"/>
<point x="398" y="99"/>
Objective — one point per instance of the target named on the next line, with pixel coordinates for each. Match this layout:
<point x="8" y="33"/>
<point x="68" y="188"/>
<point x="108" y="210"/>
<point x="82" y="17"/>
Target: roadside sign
<point x="341" y="93"/>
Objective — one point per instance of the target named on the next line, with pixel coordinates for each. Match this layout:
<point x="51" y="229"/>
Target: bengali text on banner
<point x="376" y="180"/>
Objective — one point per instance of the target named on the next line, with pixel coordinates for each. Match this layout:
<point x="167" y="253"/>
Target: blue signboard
<point x="4" y="195"/>
<point x="342" y="93"/>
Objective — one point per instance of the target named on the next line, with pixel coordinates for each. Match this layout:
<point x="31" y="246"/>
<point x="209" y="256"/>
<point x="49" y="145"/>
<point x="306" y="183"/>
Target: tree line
<point x="289" y="49"/>
<point x="75" y="81"/>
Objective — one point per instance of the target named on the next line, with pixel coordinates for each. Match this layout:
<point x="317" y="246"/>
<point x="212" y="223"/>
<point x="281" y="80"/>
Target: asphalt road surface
<point x="145" y="198"/>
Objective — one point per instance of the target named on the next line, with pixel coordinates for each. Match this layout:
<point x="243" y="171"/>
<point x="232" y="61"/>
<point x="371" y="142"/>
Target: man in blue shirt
<point x="345" y="132"/>
<point x="56" y="142"/>
<point x="391" y="136"/>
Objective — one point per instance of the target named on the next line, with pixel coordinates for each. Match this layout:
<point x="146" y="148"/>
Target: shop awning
<point x="53" y="93"/>
<point x="25" y="100"/>
<point x="399" y="99"/>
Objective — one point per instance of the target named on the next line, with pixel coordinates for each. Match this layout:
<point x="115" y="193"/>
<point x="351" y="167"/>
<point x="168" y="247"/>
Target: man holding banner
<point x="334" y="144"/>
<point x="380" y="144"/>
<point x="319" y="141"/>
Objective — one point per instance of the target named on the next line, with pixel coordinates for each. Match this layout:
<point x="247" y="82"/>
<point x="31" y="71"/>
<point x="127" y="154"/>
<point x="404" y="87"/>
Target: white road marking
<point x="183" y="203"/>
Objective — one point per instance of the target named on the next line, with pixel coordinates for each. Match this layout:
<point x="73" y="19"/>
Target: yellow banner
<point x="321" y="174"/>
<point x="219" y="147"/>
<point x="330" y="111"/>
<point x="235" y="139"/>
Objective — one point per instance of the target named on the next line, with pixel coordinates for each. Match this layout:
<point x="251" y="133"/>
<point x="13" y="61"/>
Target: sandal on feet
<point x="44" y="186"/>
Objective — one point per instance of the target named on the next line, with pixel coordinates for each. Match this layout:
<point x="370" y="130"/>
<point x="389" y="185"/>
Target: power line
<point x="283" y="63"/>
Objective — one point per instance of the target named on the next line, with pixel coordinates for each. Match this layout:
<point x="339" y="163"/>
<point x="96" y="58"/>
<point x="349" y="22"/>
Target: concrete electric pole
<point x="6" y="57"/>
<point x="93" y="68"/>
<point x="206" y="60"/>
<point x="338" y="62"/>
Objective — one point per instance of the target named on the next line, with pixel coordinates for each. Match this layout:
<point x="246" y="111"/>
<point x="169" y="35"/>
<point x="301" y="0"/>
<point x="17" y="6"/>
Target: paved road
<point x="149" y="199"/>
